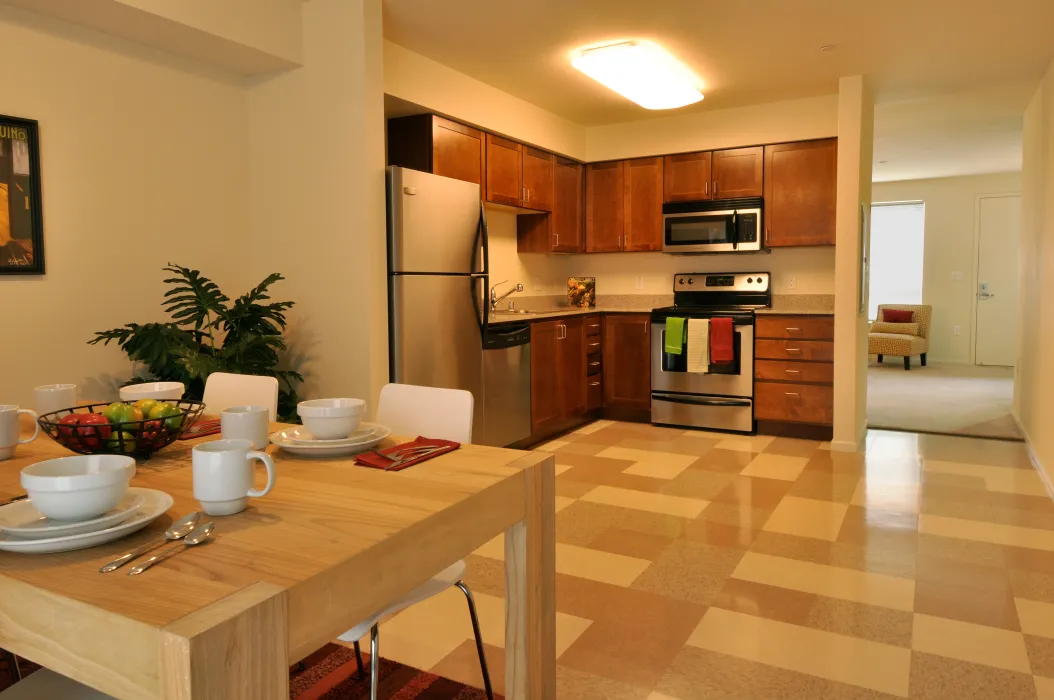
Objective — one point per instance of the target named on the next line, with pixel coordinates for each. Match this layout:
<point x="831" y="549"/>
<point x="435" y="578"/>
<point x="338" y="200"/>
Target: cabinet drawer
<point x="797" y="403"/>
<point x="592" y="325"/>
<point x="593" y="363"/>
<point x="816" y="350"/>
<point x="803" y="327"/>
<point x="775" y="370"/>
<point x="592" y="344"/>
<point x="594" y="393"/>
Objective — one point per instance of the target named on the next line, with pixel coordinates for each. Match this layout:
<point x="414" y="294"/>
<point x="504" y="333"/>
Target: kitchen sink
<point x="514" y="312"/>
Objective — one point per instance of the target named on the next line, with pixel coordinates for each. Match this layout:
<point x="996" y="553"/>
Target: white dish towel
<point x="698" y="345"/>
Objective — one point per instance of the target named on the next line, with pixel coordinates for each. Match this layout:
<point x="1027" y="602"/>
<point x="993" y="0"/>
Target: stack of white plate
<point x="24" y="529"/>
<point x="299" y="441"/>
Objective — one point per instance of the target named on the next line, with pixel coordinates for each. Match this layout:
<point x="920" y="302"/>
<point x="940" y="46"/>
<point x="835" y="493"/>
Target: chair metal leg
<point x="375" y="661"/>
<point x="479" y="638"/>
<point x="358" y="660"/>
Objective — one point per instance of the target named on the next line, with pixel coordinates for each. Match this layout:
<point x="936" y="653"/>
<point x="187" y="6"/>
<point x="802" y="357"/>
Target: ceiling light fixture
<point x="641" y="71"/>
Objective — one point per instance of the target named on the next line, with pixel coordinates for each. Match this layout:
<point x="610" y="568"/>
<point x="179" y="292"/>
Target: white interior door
<point x="995" y="332"/>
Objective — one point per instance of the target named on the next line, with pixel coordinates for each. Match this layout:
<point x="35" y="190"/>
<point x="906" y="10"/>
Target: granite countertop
<point x="794" y="312"/>
<point x="499" y="318"/>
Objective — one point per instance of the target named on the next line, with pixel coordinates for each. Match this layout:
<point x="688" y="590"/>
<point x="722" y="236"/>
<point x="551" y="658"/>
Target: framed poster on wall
<point x="21" y="211"/>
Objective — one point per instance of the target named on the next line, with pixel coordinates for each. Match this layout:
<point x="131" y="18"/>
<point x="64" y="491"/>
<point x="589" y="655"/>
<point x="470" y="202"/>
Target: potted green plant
<point x="209" y="334"/>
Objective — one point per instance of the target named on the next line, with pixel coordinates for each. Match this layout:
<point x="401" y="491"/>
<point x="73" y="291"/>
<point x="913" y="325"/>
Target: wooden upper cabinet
<point x="737" y="172"/>
<point x="566" y="216"/>
<point x="537" y="179"/>
<point x="605" y="212"/>
<point x="627" y="361"/>
<point x="686" y="177"/>
<point x="800" y="193"/>
<point x="435" y="145"/>
<point x="504" y="171"/>
<point x="643" y="204"/>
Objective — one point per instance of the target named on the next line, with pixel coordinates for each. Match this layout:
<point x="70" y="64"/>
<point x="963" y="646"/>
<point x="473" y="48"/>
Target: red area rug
<point x="331" y="674"/>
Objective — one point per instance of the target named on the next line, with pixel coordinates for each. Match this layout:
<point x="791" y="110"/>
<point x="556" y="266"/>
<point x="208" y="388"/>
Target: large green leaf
<point x="194" y="299"/>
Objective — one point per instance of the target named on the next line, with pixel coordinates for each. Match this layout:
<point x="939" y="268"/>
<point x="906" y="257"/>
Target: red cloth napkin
<point x="722" y="351"/>
<point x="201" y="429"/>
<point x="392" y="454"/>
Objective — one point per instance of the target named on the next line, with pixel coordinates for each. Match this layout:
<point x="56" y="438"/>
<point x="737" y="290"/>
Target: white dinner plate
<point x="325" y="448"/>
<point x="24" y="521"/>
<point x="154" y="505"/>
<point x="304" y="436"/>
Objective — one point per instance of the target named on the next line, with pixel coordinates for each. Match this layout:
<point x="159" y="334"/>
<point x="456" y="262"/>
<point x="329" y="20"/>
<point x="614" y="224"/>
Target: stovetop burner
<point x="704" y="294"/>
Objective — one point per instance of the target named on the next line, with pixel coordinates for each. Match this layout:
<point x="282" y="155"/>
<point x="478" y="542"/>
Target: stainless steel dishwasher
<point x="506" y="384"/>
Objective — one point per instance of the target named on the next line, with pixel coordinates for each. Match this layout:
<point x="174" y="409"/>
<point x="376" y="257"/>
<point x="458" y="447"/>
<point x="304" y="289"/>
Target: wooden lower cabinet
<point x="558" y="374"/>
<point x="794" y="375"/>
<point x="626" y="361"/>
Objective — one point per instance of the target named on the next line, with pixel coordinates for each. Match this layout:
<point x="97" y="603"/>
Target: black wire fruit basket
<point x="98" y="436"/>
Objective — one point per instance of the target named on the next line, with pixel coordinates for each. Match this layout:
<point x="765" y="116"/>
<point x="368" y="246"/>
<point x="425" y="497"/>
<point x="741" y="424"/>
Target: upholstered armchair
<point x="900" y="334"/>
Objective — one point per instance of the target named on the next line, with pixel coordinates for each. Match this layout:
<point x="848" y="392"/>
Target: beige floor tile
<point x="886" y="496"/>
<point x="774" y="466"/>
<point x="600" y="566"/>
<point x="835" y="657"/>
<point x="690" y="571"/>
<point x="792" y="447"/>
<point x="561" y="468"/>
<point x="965" y="641"/>
<point x="1040" y="655"/>
<point x="831" y="581"/>
<point x="807" y="517"/>
<point x="572" y="684"/>
<point x="651" y="502"/>
<point x="993" y="533"/>
<point x="1036" y="617"/>
<point x="491" y="610"/>
<point x="657" y="465"/>
<point x="1001" y="479"/>
<point x="1044" y="687"/>
<point x="594" y="427"/>
<point x="581" y="522"/>
<point x="751" y="491"/>
<point x="462" y="666"/>
<point x="553" y="445"/>
<point x="825" y="487"/>
<point x="745" y="443"/>
<point x="562" y="502"/>
<point x="630" y="543"/>
<point x="940" y="678"/>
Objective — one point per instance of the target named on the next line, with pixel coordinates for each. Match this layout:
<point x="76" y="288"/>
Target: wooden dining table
<point x="331" y="545"/>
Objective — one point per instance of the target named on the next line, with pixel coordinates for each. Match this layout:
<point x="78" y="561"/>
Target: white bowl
<point x="331" y="419"/>
<point x="79" y="487"/>
<point x="165" y="391"/>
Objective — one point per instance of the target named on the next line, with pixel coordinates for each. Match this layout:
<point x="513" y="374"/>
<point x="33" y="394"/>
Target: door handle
<point x="594" y="345"/>
<point x="792" y="393"/>
<point x="594" y="383"/>
<point x="792" y="371"/>
<point x="797" y="350"/>
<point x="715" y="188"/>
<point x="794" y="330"/>
<point x="594" y="364"/>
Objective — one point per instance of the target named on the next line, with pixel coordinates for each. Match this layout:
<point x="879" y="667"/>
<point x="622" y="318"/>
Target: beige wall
<point x="950" y="246"/>
<point x="855" y="150"/>
<point x="792" y="120"/>
<point x="1034" y="388"/>
<point x="316" y="165"/>
<point x="414" y="78"/>
<point x="129" y="184"/>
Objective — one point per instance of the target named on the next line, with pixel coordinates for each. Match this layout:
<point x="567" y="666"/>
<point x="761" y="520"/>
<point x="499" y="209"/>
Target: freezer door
<point x="433" y="223"/>
<point x="435" y="334"/>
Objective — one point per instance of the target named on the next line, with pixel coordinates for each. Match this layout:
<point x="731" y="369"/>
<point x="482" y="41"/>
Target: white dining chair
<point x="223" y="390"/>
<point x="435" y="413"/>
<point x="48" y="685"/>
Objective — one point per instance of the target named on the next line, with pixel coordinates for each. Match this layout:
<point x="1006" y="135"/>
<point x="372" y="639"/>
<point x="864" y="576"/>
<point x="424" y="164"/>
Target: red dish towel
<point x="722" y="351"/>
<point x="372" y="459"/>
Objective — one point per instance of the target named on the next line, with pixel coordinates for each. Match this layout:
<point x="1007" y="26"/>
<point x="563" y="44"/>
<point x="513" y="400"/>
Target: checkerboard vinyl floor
<point x="693" y="565"/>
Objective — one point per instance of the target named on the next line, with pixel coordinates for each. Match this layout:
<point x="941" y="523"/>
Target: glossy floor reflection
<point x="694" y="565"/>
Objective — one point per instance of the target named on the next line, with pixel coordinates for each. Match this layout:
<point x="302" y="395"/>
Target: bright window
<point x="897" y="243"/>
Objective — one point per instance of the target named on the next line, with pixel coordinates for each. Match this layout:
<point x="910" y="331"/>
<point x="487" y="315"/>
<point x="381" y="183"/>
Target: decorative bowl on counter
<point x="121" y="429"/>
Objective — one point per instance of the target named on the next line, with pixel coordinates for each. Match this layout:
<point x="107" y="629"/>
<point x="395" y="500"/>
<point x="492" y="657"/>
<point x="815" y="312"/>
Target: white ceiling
<point x="951" y="77"/>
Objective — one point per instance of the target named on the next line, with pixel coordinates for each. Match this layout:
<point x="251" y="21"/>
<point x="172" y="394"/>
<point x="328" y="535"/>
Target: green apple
<point x="145" y="405"/>
<point x="172" y="415"/>
<point x="114" y="410"/>
<point x="124" y="413"/>
<point x="115" y="442"/>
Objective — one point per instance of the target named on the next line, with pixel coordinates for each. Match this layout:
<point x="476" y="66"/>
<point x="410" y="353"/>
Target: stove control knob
<point x="681" y="281"/>
<point x="750" y="280"/>
<point x="691" y="281"/>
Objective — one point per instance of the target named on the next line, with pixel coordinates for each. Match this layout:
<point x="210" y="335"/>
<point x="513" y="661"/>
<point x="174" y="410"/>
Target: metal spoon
<point x="180" y="529"/>
<point x="196" y="537"/>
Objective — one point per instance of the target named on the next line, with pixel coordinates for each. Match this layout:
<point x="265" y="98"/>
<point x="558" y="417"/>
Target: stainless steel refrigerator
<point x="439" y="321"/>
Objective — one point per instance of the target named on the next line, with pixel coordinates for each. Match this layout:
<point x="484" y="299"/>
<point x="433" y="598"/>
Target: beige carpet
<point x="955" y="399"/>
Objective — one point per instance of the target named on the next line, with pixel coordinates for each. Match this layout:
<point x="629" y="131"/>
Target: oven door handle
<point x="723" y="403"/>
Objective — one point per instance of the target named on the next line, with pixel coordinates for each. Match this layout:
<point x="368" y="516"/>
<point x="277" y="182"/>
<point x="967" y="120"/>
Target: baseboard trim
<point x="1036" y="464"/>
<point x="844" y="446"/>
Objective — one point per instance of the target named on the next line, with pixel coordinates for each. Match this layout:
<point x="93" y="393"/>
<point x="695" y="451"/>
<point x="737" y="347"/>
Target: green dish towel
<point x="674" y="335"/>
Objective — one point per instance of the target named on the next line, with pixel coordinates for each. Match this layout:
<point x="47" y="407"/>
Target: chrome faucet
<point x="494" y="298"/>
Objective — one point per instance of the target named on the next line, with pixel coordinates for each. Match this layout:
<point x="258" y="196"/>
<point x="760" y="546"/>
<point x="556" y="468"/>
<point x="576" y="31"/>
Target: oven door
<point x="710" y="412"/>
<point x="669" y="372"/>
<point x="699" y="232"/>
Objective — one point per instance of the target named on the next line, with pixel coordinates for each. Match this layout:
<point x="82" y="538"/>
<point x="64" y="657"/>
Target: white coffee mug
<point x="54" y="397"/>
<point x="246" y="423"/>
<point x="9" y="431"/>
<point x="223" y="475"/>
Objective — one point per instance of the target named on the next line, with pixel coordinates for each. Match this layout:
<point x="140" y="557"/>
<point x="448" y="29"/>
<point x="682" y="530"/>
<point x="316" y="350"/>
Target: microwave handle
<point x="735" y="232"/>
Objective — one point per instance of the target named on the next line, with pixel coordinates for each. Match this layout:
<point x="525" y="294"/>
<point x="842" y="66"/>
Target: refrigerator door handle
<point x="483" y="234"/>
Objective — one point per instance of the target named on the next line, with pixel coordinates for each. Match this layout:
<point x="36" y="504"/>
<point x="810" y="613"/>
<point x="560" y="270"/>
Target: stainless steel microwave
<point x="716" y="226"/>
